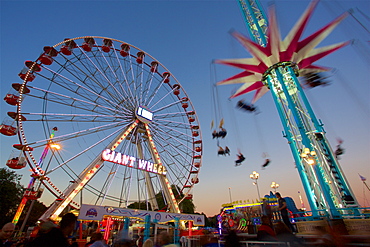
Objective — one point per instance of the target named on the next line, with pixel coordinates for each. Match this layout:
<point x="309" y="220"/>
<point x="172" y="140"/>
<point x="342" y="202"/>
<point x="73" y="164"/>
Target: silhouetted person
<point x="284" y="211"/>
<point x="220" y="151"/>
<point x="240" y="159"/>
<point x="227" y="150"/>
<point x="265" y="231"/>
<point x="56" y="236"/>
<point x="6" y="233"/>
<point x="267" y="162"/>
<point x="164" y="240"/>
<point x="284" y="234"/>
<point x="232" y="239"/>
<point x="222" y="133"/>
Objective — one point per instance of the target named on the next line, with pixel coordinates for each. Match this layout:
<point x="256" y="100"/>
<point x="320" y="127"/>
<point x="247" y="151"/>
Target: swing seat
<point x="222" y="134"/>
<point x="240" y="160"/>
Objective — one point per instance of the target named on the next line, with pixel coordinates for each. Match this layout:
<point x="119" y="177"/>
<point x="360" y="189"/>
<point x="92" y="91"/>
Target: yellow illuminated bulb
<point x="55" y="146"/>
<point x="311" y="161"/>
<point x="313" y="153"/>
<point x="306" y="150"/>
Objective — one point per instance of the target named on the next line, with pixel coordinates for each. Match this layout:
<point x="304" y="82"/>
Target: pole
<point x="230" y="195"/>
<point x="27" y="216"/>
<point x="258" y="191"/>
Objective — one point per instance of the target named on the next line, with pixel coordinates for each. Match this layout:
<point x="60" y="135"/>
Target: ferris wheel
<point x="128" y="132"/>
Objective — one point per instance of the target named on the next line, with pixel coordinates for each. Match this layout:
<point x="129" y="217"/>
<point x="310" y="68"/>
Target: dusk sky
<point x="186" y="37"/>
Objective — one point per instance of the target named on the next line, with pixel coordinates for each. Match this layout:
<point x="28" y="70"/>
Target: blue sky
<point x="186" y="36"/>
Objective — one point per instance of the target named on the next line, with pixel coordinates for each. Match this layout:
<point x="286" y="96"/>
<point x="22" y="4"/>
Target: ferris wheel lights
<point x="313" y="153"/>
<point x="306" y="150"/>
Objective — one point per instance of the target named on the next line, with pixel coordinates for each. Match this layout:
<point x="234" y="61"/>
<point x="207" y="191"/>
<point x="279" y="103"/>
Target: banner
<point x="94" y="212"/>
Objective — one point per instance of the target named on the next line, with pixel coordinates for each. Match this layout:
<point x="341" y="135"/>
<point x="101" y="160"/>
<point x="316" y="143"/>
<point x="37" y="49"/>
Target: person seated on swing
<point x="246" y="107"/>
<point x="214" y="134"/>
<point x="339" y="151"/>
<point x="314" y="80"/>
<point x="227" y="150"/>
<point x="267" y="162"/>
<point x="221" y="151"/>
<point x="240" y="159"/>
<point x="222" y="133"/>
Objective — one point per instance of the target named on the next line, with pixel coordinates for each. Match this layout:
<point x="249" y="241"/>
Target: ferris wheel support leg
<point x="86" y="175"/>
<point x="163" y="179"/>
<point x="148" y="182"/>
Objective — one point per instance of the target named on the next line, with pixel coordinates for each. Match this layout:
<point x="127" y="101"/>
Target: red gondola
<point x="191" y="116"/>
<point x="189" y="196"/>
<point x="12" y="97"/>
<point x="125" y="48"/>
<point x="176" y="89"/>
<point x="16" y="160"/>
<point x="22" y="147"/>
<point x="8" y="127"/>
<point x="185" y="102"/>
<point x="198" y="146"/>
<point x="154" y="66"/>
<point x="66" y="49"/>
<point x="140" y="57"/>
<point x="88" y="44"/>
<point x="195" y="130"/>
<point x="47" y="57"/>
<point x="166" y="77"/>
<point x="15" y="116"/>
<point x="107" y="44"/>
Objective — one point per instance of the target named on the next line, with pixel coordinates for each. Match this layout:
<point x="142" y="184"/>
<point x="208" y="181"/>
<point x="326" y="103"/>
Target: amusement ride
<point x="126" y="129"/>
<point x="275" y="67"/>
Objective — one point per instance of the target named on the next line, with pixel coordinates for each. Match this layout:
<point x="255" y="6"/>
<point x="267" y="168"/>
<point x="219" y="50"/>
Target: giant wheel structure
<point x="127" y="129"/>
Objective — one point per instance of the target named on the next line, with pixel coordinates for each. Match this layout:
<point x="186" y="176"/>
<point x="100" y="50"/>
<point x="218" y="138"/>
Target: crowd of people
<point x="52" y="235"/>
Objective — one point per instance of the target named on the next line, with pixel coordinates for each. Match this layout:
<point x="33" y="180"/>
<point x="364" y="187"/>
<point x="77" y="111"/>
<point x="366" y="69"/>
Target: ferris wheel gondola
<point x="128" y="131"/>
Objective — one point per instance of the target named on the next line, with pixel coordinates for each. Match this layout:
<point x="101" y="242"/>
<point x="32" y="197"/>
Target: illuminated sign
<point x="130" y="161"/>
<point x="144" y="113"/>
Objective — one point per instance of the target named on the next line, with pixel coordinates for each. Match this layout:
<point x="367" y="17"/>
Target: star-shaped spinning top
<point x="303" y="53"/>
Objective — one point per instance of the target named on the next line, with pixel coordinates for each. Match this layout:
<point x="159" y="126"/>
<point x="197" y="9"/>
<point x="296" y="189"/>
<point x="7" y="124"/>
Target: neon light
<point x="130" y="161"/>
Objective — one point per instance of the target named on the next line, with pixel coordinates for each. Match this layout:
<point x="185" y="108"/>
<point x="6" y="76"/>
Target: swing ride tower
<point x="275" y="67"/>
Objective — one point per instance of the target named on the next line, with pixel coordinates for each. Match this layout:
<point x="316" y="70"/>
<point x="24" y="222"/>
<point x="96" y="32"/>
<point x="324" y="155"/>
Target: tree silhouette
<point x="11" y="192"/>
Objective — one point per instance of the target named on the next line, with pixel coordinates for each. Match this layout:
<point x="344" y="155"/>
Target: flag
<point x="212" y="124"/>
<point x="363" y="179"/>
